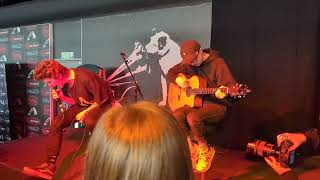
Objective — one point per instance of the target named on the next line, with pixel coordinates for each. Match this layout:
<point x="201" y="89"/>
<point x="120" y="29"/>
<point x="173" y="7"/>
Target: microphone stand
<point x="137" y="87"/>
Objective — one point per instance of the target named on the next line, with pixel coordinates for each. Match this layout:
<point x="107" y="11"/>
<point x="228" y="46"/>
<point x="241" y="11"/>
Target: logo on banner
<point x="19" y="84"/>
<point x="33" y="91"/>
<point x="33" y="100"/>
<point x="5" y="129"/>
<point x="46" y="110"/>
<point x="3" y="48"/>
<point x="16" y="46"/>
<point x="2" y="111"/>
<point x="17" y="67"/>
<point x="18" y="112"/>
<point x="45" y="100"/>
<point x="4" y="120"/>
<point x="32" y="84"/>
<point x="17" y="56"/>
<point x="3" y="85"/>
<point x="31" y="62"/>
<point x="31" y="28"/>
<point x="45" y="44"/>
<point x="44" y="85"/>
<point x="31" y="73"/>
<point x="16" y="30"/>
<point x="3" y="102"/>
<point x="32" y="45"/>
<point x="3" y="58"/>
<point x="5" y="137"/>
<point x="2" y="66"/>
<point x="14" y="39"/>
<point x="33" y="112"/>
<point x="17" y="102"/>
<point x="33" y="121"/>
<point x="45" y="53"/>
<point x="45" y="92"/>
<point x="45" y="31"/>
<point x="47" y="122"/>
<point x="33" y="128"/>
<point x="32" y="53"/>
<point x="4" y="32"/>
<point x="3" y="39"/>
<point x="32" y="36"/>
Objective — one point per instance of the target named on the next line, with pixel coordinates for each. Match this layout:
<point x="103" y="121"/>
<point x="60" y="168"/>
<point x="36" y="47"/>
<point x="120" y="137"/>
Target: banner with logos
<point x="27" y="101"/>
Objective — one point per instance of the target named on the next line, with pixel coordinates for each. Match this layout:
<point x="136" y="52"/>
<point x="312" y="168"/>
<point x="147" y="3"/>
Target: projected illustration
<point x="149" y="62"/>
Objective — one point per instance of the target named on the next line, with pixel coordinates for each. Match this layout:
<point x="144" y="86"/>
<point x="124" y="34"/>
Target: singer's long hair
<point x="138" y="142"/>
<point x="49" y="69"/>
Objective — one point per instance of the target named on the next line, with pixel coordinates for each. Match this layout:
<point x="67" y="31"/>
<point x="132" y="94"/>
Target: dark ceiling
<point x="11" y="2"/>
<point x="25" y="12"/>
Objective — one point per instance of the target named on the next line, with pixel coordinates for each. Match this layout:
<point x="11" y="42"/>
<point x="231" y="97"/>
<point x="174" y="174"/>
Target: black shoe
<point x="45" y="170"/>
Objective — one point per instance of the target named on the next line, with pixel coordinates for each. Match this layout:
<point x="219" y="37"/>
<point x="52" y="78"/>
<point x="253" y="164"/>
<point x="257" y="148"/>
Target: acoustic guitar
<point x="192" y="96"/>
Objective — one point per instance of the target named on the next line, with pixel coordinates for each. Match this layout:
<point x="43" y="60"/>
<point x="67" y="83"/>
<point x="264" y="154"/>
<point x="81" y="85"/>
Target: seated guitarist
<point x="209" y="65"/>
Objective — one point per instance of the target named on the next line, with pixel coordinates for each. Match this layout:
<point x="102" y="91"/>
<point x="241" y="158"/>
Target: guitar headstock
<point x="238" y="91"/>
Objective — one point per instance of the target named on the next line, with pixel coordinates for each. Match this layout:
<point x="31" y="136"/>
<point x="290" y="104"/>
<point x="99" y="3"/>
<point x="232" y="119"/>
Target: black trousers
<point x="193" y="118"/>
<point x="64" y="120"/>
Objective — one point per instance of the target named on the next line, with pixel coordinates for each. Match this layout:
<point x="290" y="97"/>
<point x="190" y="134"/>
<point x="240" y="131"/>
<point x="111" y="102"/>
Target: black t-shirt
<point x="88" y="87"/>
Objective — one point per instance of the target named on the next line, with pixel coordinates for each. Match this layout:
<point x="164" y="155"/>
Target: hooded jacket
<point x="214" y="68"/>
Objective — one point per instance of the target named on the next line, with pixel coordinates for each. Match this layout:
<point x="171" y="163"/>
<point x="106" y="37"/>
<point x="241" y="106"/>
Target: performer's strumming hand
<point x="81" y="115"/>
<point x="182" y="81"/>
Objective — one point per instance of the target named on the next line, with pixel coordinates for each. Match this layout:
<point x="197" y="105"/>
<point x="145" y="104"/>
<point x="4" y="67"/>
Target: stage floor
<point x="227" y="164"/>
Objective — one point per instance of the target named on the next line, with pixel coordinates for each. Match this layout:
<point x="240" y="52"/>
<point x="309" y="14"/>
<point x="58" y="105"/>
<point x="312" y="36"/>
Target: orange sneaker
<point x="45" y="170"/>
<point x="206" y="154"/>
<point x="193" y="147"/>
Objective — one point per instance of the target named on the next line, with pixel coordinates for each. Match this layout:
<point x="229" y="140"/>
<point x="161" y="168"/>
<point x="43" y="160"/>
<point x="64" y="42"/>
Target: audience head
<point x="140" y="141"/>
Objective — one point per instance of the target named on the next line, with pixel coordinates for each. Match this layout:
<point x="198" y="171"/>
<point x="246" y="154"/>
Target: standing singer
<point x="88" y="95"/>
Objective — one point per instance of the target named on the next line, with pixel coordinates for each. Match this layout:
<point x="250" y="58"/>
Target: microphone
<point x="59" y="100"/>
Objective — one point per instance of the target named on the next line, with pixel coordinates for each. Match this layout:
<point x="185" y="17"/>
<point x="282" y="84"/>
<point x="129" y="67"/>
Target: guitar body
<point x="179" y="97"/>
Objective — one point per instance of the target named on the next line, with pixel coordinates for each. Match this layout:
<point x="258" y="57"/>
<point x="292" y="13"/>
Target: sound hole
<point x="189" y="91"/>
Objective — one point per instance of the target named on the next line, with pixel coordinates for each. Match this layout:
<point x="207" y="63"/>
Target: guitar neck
<point x="203" y="91"/>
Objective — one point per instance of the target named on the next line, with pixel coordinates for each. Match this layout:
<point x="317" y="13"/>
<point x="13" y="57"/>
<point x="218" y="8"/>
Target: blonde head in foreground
<point x="138" y="142"/>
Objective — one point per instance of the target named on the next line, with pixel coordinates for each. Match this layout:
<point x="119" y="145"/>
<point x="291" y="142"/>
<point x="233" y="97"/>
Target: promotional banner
<point x="4" y="109"/>
<point x="29" y="100"/>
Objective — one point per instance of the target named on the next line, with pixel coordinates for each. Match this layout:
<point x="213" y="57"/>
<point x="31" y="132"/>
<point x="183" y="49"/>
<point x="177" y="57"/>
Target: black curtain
<point x="272" y="46"/>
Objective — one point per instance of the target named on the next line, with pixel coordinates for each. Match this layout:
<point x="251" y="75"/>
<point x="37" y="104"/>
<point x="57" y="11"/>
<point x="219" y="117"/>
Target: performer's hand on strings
<point x="219" y="94"/>
<point x="182" y="81"/>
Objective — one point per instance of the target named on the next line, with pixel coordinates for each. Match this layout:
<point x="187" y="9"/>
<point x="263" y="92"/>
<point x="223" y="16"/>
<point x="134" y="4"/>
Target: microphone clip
<point x="123" y="56"/>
